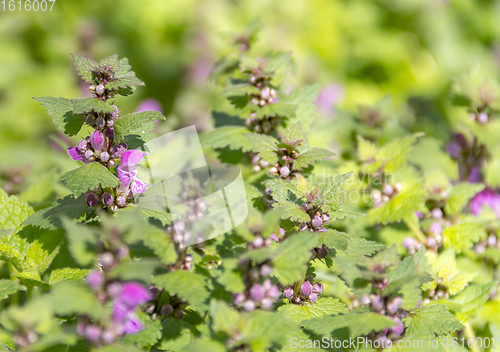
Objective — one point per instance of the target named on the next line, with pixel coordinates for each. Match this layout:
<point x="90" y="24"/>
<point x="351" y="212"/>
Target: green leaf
<point x="463" y="236"/>
<point x="358" y="247"/>
<point x="85" y="67"/>
<point x="83" y="106"/>
<point x="138" y="270"/>
<point x="292" y="211"/>
<point x="43" y="250"/>
<point x="310" y="157"/>
<point x="277" y="65"/>
<point x="67" y="274"/>
<point x="205" y="345"/>
<point x="81" y="242"/>
<point x="8" y="287"/>
<point x="89" y="176"/>
<point x="266" y="146"/>
<point x="433" y="319"/>
<point x="224" y="317"/>
<point x="41" y="193"/>
<point x="292" y="256"/>
<point x="460" y="196"/>
<point x="31" y="278"/>
<point x="61" y="110"/>
<point x="357" y="323"/>
<point x="67" y="298"/>
<point x="147" y="336"/>
<point x="188" y="285"/>
<point x="50" y="218"/>
<point x="135" y="129"/>
<point x="333" y="239"/>
<point x="12" y="211"/>
<point x="240" y="89"/>
<point x="294" y="133"/>
<point x="395" y="154"/>
<point x="323" y="306"/>
<point x="276" y="109"/>
<point x="281" y="190"/>
<point x="124" y="80"/>
<point x="228" y="136"/>
<point x="161" y="244"/>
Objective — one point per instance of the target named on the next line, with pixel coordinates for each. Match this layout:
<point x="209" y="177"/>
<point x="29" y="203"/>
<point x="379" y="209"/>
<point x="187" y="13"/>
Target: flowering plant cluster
<point x="416" y="259"/>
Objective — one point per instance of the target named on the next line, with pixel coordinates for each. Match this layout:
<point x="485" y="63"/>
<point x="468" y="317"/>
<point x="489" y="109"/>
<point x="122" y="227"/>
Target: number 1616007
<point x="27" y="5"/>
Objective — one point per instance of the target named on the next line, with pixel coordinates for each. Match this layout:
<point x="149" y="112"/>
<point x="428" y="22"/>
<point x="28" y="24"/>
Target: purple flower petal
<point x="110" y="133"/>
<point x="75" y="154"/>
<point x="328" y="96"/>
<point x="148" y="105"/>
<point x="97" y="140"/>
<point x="133" y="325"/>
<point x="306" y="288"/>
<point x="95" y="279"/>
<point x="487" y="197"/>
<point x="131" y="157"/>
<point x="121" y="310"/>
<point x="138" y="186"/>
<point x="257" y="292"/>
<point x="134" y="294"/>
<point x="475" y="175"/>
<point x="118" y="149"/>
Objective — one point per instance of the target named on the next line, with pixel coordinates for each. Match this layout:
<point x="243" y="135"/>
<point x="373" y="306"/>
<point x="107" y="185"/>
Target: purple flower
<point x="487" y="197"/>
<point x="134" y="294"/>
<point x="97" y="140"/>
<point x="93" y="332"/>
<point x="475" y="175"/>
<point x="127" y="172"/>
<point x="110" y="133"/>
<point x="107" y="198"/>
<point x="313" y="297"/>
<point x="257" y="292"/>
<point x="118" y="149"/>
<point x="92" y="199"/>
<point x="328" y="96"/>
<point x="318" y="288"/>
<point x="306" y="288"/>
<point x="77" y="155"/>
<point x="273" y="292"/>
<point x="133" y="325"/>
<point x="95" y="279"/>
<point x="148" y="105"/>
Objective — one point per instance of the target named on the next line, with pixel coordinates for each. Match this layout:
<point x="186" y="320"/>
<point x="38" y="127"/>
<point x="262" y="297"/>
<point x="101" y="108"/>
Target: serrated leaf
<point x="43" y="250"/>
<point x="135" y="129"/>
<point x="162" y="245"/>
<point x="8" y="287"/>
<point x="281" y="190"/>
<point x="323" y="306"/>
<point x="358" y="324"/>
<point x="358" y="247"/>
<point x="292" y="211"/>
<point x="187" y="285"/>
<point x="12" y="211"/>
<point x="81" y="242"/>
<point x="294" y="133"/>
<point x="41" y="193"/>
<point x="67" y="274"/>
<point x="228" y="136"/>
<point x="395" y="154"/>
<point x="83" y="106"/>
<point x="277" y="66"/>
<point x="460" y="196"/>
<point x="311" y="156"/>
<point x="433" y="319"/>
<point x="224" y="317"/>
<point x="462" y="236"/>
<point x="266" y="146"/>
<point x="50" y="218"/>
<point x="67" y="298"/>
<point x="31" y="278"/>
<point x="286" y="110"/>
<point x="89" y="176"/>
<point x="85" y="67"/>
<point x="135" y="270"/>
<point x="292" y="256"/>
<point x="61" y="110"/>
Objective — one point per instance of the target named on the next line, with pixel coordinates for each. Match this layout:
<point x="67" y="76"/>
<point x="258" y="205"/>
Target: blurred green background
<point x="368" y="50"/>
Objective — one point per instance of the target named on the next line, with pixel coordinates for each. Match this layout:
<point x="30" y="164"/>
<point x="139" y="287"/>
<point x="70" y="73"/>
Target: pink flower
<point x="148" y="105"/>
<point x="487" y="197"/>
<point x="328" y="96"/>
<point x="127" y="171"/>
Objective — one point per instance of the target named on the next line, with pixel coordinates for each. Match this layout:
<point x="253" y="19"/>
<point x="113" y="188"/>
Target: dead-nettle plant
<point x="124" y="281"/>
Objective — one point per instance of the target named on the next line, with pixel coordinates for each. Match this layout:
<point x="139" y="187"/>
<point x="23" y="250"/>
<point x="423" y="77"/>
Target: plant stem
<point x="469" y="333"/>
<point x="416" y="231"/>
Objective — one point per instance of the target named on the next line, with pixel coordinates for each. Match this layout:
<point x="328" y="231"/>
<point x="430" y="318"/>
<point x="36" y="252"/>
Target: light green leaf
<point x="8" y="287"/>
<point x="323" y="306"/>
<point x="12" y="211"/>
<point x="67" y="298"/>
<point x="62" y="114"/>
<point x="286" y="110"/>
<point x="228" y="136"/>
<point x="433" y="319"/>
<point x="43" y="250"/>
<point x="89" y="176"/>
<point x="266" y="146"/>
<point x="462" y="236"/>
<point x="67" y="274"/>
<point x="240" y="89"/>
<point x="81" y="242"/>
<point x="135" y="129"/>
<point x="310" y="157"/>
<point x="460" y="196"/>
<point x="85" y="67"/>
<point x="87" y="105"/>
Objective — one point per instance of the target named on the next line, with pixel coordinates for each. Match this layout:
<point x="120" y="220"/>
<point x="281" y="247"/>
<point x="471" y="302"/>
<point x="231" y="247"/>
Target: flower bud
<point x="303" y="227"/>
<point x="262" y="102"/>
<point x="316" y="221"/>
<point x="377" y="303"/>
<point x="100" y="122"/>
<point x="179" y="314"/>
<point x="323" y="252"/>
<point x="108" y="336"/>
<point x="366" y="300"/>
<point x="92" y="332"/>
<point x="272" y="93"/>
<point x="118" y="149"/>
<point x="313" y="297"/>
<point x="318" y="288"/>
<point x="266" y="303"/>
<point x="238" y="299"/>
<point x="105" y="156"/>
<point x="114" y="115"/>
<point x="258" y="241"/>
<point x="492" y="240"/>
<point x="387" y="189"/>
<point x="288" y="292"/>
<point x="376" y="195"/>
<point x="82" y="145"/>
<point x="306" y="288"/>
<point x="264" y="163"/>
<point x="398" y="187"/>
<point x="284" y="171"/>
<point x="249" y="305"/>
<point x="265" y="93"/>
<point x="482" y="117"/>
<point x="436" y="213"/>
<point x="112" y="162"/>
<point x="266" y="126"/>
<point x="398" y="329"/>
<point x="99" y="89"/>
<point x="255" y="101"/>
<point x="265" y="270"/>
<point x="436" y="228"/>
<point x="325" y="217"/>
<point x="107" y="259"/>
<point x="89" y="154"/>
<point x="110" y="123"/>
<point x="273" y="170"/>
<point x="80" y="328"/>
<point x="92" y="199"/>
<point x="166" y="310"/>
<point x="90" y="119"/>
<point x="257" y="292"/>
<point x="431" y="242"/>
<point x="95" y="279"/>
<point x="273" y="292"/>
<point x="256" y="168"/>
